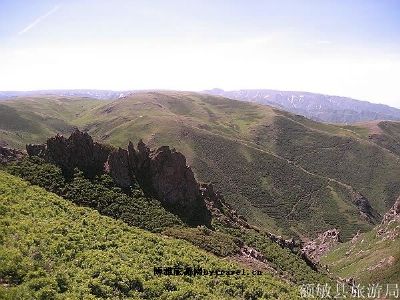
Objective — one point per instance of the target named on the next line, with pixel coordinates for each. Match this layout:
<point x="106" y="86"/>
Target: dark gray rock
<point x="36" y="150"/>
<point x="8" y="155"/>
<point x="117" y="166"/>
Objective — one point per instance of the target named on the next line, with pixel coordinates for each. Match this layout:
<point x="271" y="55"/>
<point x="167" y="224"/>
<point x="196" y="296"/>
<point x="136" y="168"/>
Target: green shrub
<point x="99" y="193"/>
<point x="84" y="255"/>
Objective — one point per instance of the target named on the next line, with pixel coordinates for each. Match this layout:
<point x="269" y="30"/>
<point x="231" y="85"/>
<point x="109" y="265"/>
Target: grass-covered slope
<point x="33" y="119"/>
<point x="366" y="167"/>
<point x="279" y="170"/>
<point x="385" y="134"/>
<point x="52" y="249"/>
<point x="283" y="172"/>
<point x="372" y="257"/>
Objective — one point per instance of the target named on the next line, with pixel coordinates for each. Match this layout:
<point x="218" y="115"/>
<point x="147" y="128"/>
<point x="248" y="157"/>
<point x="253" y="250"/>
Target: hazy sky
<point x="348" y="48"/>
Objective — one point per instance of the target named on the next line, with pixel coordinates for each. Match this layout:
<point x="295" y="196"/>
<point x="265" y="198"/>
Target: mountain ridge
<point x="319" y="107"/>
<point x="288" y="165"/>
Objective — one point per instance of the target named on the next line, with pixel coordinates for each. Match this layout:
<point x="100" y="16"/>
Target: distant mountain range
<point x="319" y="107"/>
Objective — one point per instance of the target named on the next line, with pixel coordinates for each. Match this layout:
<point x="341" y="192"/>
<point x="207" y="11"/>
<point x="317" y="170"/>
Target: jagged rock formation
<point x="166" y="172"/>
<point x="36" y="150"/>
<point x="325" y="241"/>
<point x="8" y="155"/>
<point x="78" y="151"/>
<point x="163" y="172"/>
<point x="356" y="237"/>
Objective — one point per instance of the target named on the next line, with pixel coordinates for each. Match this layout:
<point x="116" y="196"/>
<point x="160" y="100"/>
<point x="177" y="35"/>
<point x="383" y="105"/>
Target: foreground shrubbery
<point x="218" y="243"/>
<point x="101" y="194"/>
<point x="52" y="249"/>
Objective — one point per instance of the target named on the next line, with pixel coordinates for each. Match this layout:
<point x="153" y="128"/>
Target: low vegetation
<point x="218" y="243"/>
<point x="372" y="257"/>
<point x="52" y="249"/>
<point x="100" y="194"/>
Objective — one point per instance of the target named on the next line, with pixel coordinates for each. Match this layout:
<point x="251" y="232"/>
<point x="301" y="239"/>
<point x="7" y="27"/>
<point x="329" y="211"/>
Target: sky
<point x="337" y="47"/>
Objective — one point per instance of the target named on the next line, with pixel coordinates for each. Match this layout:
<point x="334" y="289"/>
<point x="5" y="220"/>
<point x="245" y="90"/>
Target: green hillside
<point x="295" y="174"/>
<point x="372" y="257"/>
<point x="386" y="134"/>
<point x="52" y="249"/>
<point x="283" y="172"/>
<point x="33" y="119"/>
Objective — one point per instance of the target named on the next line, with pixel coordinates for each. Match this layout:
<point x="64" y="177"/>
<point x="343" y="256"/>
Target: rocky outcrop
<point x="164" y="173"/>
<point x="393" y="214"/>
<point x="161" y="173"/>
<point x="8" y="155"/>
<point x="325" y="241"/>
<point x="170" y="177"/>
<point x="77" y="151"/>
<point x="36" y="150"/>
<point x="355" y="238"/>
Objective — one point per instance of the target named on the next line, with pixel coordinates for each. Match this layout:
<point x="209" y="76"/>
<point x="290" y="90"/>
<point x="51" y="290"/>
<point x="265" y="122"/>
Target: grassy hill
<point x="33" y="119"/>
<point x="386" y="134"/>
<point x="52" y="249"/>
<point x="372" y="257"/>
<point x="283" y="172"/>
<point x="274" y="167"/>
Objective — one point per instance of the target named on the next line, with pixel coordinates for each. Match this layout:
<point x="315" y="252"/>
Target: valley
<point x="283" y="172"/>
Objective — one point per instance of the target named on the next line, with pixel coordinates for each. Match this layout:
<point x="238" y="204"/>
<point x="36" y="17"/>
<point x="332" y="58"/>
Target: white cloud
<point x="38" y="20"/>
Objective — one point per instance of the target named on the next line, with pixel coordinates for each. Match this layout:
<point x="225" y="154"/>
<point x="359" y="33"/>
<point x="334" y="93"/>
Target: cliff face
<point x="162" y="173"/>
